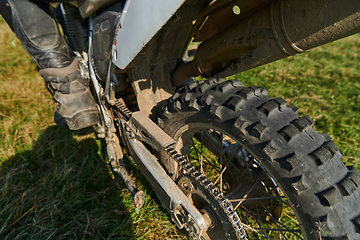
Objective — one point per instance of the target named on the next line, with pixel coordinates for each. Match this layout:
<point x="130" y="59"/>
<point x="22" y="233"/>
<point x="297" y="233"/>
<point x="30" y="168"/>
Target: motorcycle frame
<point x="151" y="69"/>
<point x="234" y="45"/>
<point x="232" y="41"/>
<point x="139" y="129"/>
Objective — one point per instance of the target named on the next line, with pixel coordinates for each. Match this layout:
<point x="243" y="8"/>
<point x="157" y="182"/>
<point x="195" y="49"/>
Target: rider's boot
<point x="34" y="25"/>
<point x="76" y="107"/>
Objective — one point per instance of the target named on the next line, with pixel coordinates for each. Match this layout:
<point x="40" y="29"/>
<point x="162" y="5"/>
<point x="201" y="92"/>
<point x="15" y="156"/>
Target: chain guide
<point x="213" y="194"/>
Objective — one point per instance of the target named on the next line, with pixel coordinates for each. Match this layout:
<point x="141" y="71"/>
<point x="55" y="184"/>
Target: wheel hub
<point x="205" y="202"/>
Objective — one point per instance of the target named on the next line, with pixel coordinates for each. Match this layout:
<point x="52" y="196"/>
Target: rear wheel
<point x="285" y="180"/>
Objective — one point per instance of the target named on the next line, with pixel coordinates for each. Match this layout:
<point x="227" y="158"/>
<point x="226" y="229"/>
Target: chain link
<point x="123" y="109"/>
<point x="213" y="190"/>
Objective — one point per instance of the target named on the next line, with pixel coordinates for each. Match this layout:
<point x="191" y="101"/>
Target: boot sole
<point x="78" y="121"/>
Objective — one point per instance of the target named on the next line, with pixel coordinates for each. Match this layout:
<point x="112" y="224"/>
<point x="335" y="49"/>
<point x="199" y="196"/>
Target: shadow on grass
<point x="61" y="189"/>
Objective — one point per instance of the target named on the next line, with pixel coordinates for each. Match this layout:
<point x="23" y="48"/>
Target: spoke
<point x="193" y="144"/>
<point x="240" y="172"/>
<point x="274" y="196"/>
<point x="220" y="174"/>
<point x="271" y="195"/>
<point x="208" y="162"/>
<point x="283" y="230"/>
<point x="259" y="223"/>
<point x="269" y="229"/>
<point x="227" y="165"/>
<point x="259" y="198"/>
<point x="201" y="154"/>
<point x="247" y="214"/>
<point x="254" y="230"/>
<point x="252" y="188"/>
<point x="246" y="169"/>
<point x="276" y="221"/>
<point x="286" y="229"/>
<point x="210" y="149"/>
<point x="209" y="140"/>
<point x="221" y="162"/>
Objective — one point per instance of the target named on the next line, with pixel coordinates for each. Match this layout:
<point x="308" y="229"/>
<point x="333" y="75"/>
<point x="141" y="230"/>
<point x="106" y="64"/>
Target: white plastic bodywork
<point x="139" y="22"/>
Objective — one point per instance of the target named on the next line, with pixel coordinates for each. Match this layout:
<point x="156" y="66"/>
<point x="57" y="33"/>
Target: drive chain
<point x="214" y="191"/>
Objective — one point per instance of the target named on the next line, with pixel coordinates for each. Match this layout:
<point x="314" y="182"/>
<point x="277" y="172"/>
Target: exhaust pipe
<point x="282" y="29"/>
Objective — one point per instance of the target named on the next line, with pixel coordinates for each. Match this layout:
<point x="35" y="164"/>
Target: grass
<point x="55" y="183"/>
<point x="232" y="175"/>
<point x="323" y="83"/>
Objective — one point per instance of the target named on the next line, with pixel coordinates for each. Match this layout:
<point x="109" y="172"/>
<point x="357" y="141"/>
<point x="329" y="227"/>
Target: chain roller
<point x="213" y="190"/>
<point x="188" y="168"/>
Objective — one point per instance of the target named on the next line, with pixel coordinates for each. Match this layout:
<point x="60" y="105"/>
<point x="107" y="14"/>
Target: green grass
<point x="55" y="183"/>
<point x="323" y="83"/>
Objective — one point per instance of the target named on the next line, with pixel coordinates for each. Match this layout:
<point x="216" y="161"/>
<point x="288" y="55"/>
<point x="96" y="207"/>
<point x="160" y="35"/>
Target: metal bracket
<point x="115" y="156"/>
<point x="182" y="211"/>
<point x="140" y="128"/>
<point x="144" y="129"/>
<point x="107" y="129"/>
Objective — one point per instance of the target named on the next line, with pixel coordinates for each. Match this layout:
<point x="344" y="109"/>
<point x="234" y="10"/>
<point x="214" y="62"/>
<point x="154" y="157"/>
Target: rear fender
<point x="139" y="22"/>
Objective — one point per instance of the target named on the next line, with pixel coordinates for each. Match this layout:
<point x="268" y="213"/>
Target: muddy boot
<point x="33" y="23"/>
<point x="76" y="107"/>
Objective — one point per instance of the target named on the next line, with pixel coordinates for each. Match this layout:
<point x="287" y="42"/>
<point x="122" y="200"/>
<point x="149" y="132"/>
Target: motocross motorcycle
<point x="225" y="160"/>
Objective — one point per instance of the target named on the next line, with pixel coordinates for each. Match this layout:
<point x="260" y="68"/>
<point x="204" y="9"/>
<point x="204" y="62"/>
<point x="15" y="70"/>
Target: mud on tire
<point x="300" y="169"/>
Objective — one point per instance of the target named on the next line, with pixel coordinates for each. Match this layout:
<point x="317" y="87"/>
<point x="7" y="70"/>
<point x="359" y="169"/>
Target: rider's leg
<point x="34" y="25"/>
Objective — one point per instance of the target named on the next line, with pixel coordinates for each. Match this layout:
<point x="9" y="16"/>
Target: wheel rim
<point x="208" y="207"/>
<point x="263" y="206"/>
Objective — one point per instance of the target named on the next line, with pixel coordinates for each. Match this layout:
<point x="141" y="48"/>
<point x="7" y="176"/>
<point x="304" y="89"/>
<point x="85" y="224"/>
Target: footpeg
<point x="115" y="156"/>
